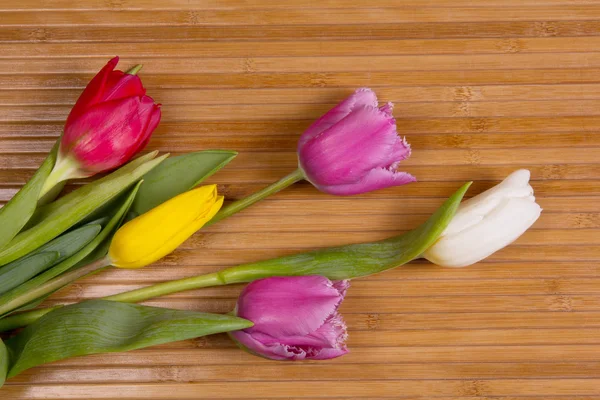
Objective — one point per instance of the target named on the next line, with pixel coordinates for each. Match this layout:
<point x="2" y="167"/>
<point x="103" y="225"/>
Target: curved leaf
<point x="15" y="214"/>
<point x="100" y="326"/>
<point x="55" y="218"/>
<point x="177" y="175"/>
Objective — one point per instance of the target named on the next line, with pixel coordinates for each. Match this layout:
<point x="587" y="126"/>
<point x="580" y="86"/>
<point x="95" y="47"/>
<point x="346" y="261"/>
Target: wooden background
<point x="481" y="88"/>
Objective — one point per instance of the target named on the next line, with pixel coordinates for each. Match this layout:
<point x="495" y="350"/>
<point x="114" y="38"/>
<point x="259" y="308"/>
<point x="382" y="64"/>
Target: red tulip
<point x="111" y="122"/>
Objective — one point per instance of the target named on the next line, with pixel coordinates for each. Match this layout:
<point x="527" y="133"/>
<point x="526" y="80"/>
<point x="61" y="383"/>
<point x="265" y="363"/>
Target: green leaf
<point x="4" y="362"/>
<point x="57" y="250"/>
<point x="55" y="218"/>
<point x="20" y="271"/>
<point x="355" y="260"/>
<point x="71" y="242"/>
<point x="67" y="264"/>
<point x="177" y="175"/>
<point x="100" y="326"/>
<point x="15" y="214"/>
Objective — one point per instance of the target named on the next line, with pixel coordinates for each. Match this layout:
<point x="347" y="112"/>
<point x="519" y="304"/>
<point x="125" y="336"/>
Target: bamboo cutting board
<point x="481" y="88"/>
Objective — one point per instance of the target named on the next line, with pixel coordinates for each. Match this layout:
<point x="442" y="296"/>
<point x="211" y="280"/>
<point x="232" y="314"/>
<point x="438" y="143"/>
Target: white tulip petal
<point x="487" y="223"/>
<point x="497" y="230"/>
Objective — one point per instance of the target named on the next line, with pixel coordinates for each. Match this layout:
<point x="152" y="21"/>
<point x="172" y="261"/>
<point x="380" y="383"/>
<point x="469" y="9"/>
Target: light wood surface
<point x="482" y="87"/>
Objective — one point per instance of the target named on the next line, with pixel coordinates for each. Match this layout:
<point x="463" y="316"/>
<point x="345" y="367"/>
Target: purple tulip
<point x="295" y="318"/>
<point x="354" y="148"/>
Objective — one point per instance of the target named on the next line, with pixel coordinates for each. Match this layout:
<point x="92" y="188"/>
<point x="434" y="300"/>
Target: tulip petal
<point x="282" y="352"/>
<point x="503" y="225"/>
<point x="361" y="97"/>
<point x="120" y="85"/>
<point x="378" y="178"/>
<point x="158" y="232"/>
<point x="472" y="211"/>
<point x="333" y="332"/>
<point x="364" y="140"/>
<point x="101" y="143"/>
<point x="93" y="92"/>
<point x="291" y="306"/>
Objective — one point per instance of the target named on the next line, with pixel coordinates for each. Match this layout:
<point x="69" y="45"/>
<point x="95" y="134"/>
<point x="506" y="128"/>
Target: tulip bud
<point x="111" y="122"/>
<point x="295" y="318"/>
<point x="354" y="148"/>
<point x="486" y="223"/>
<point x="158" y="232"/>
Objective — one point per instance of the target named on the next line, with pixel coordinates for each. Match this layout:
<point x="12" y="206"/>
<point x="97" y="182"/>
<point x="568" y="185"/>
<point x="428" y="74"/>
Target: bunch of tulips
<point x="145" y="208"/>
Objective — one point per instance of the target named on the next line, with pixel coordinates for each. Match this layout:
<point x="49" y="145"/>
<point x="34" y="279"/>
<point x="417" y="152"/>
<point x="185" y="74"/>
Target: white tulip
<point x="487" y="223"/>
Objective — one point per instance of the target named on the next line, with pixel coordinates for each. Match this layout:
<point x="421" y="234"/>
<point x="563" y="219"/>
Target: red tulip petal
<point x="93" y="92"/>
<point x="107" y="134"/>
<point x="120" y="85"/>
<point x="153" y="120"/>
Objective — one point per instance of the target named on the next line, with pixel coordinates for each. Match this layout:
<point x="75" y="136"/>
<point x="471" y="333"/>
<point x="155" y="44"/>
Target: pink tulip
<point x="111" y="122"/>
<point x="354" y="148"/>
<point x="295" y="318"/>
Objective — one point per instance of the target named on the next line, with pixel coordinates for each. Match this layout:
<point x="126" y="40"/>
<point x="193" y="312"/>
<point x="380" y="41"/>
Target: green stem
<point x="52" y="285"/>
<point x="134" y="70"/>
<point x="239" y="205"/>
<point x="65" y="168"/>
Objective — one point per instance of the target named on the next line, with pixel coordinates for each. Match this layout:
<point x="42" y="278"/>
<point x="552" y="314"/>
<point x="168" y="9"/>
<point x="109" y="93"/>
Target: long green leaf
<point x="70" y="243"/>
<point x="15" y="214"/>
<point x="57" y="217"/>
<point x="100" y="326"/>
<point x="57" y="250"/>
<point x="20" y="271"/>
<point x="67" y="264"/>
<point x="177" y="175"/>
<point x="355" y="260"/>
<point x="4" y="362"/>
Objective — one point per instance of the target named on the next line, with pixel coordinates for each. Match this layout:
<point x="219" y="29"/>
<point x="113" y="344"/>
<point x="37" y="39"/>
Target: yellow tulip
<point x="158" y="232"/>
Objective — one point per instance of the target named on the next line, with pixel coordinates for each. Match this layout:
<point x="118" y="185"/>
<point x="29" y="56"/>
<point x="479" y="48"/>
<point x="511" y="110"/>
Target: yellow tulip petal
<point x="161" y="230"/>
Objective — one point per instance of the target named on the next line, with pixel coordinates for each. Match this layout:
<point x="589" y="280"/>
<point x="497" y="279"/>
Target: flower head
<point x="158" y="232"/>
<point x="486" y="223"/>
<point x="111" y="121"/>
<point x="295" y="318"/>
<point x="354" y="148"/>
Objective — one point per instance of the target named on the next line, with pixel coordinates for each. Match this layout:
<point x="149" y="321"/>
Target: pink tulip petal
<point x="333" y="332"/>
<point x="361" y="97"/>
<point x="364" y="140"/>
<point x="342" y="286"/>
<point x="290" y="306"/>
<point x="328" y="354"/>
<point x="379" y="178"/>
<point x="93" y="91"/>
<point x="282" y="352"/>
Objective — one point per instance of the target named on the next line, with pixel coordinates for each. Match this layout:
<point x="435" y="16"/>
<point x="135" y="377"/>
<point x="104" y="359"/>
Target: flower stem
<point x="239" y="205"/>
<point x="65" y="168"/>
<point x="52" y="285"/>
<point x="134" y="70"/>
